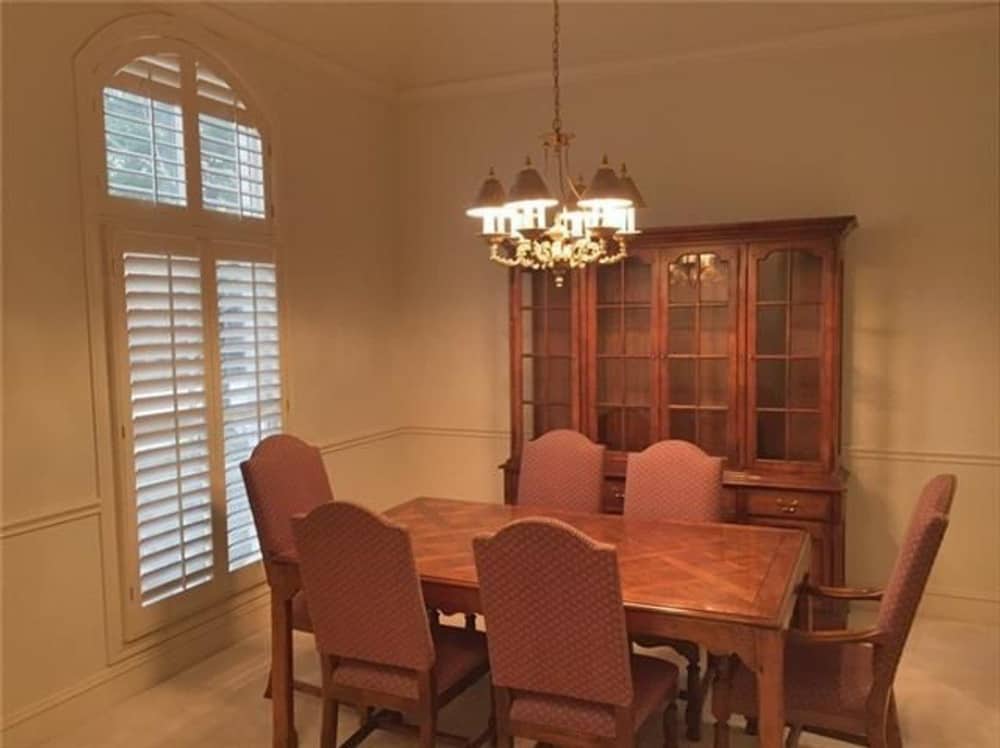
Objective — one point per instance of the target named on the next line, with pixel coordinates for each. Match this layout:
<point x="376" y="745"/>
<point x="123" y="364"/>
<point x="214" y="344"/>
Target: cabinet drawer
<point x="788" y="505"/>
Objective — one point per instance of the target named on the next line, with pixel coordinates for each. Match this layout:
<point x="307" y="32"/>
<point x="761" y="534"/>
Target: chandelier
<point x="531" y="228"/>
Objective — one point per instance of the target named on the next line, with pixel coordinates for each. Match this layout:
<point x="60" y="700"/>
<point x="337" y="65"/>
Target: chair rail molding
<point x="89" y="508"/>
<point x="943" y="458"/>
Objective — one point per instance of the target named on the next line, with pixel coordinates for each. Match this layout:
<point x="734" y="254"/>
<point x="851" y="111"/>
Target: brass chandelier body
<point x="531" y="228"/>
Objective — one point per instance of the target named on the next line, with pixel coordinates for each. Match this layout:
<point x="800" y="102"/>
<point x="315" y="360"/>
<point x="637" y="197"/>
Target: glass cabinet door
<point x="624" y="354"/>
<point x="544" y="332"/>
<point x="700" y="365"/>
<point x="787" y="348"/>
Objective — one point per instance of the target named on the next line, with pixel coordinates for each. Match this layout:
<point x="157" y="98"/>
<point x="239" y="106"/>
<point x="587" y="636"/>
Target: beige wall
<point x="898" y="125"/>
<point x="397" y="324"/>
<point x="335" y="162"/>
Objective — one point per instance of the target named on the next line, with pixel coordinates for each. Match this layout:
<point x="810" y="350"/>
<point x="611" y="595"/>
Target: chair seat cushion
<point x="458" y="654"/>
<point x="831" y="679"/>
<point x="654" y="684"/>
<point x="300" y="613"/>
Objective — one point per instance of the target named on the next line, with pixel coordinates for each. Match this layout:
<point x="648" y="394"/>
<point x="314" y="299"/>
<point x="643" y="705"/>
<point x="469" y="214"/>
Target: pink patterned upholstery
<point x="364" y="593"/>
<point x="283" y="477"/>
<point x="673" y="480"/>
<point x="836" y="686"/>
<point x="653" y="681"/>
<point x="562" y="469"/>
<point x="556" y="629"/>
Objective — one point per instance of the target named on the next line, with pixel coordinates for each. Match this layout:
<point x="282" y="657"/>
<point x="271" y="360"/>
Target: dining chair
<point x="840" y="683"/>
<point x="562" y="469"/>
<point x="376" y="644"/>
<point x="560" y="660"/>
<point x="284" y="476"/>
<point x="675" y="480"/>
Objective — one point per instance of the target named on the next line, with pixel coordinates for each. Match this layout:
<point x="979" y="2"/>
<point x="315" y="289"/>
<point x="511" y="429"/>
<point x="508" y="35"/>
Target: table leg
<point x="282" y="698"/>
<point x="770" y="670"/>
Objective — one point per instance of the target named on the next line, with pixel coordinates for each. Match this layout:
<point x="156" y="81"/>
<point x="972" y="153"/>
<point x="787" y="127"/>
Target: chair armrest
<point x="840" y="636"/>
<point x="843" y="593"/>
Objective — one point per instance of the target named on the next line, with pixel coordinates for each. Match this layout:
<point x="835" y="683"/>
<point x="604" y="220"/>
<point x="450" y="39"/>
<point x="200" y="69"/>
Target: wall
<point x="57" y="537"/>
<point x="896" y="123"/>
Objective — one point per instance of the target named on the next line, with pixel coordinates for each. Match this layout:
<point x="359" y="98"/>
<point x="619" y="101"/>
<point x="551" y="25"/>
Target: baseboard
<point x="57" y="713"/>
<point x="946" y="606"/>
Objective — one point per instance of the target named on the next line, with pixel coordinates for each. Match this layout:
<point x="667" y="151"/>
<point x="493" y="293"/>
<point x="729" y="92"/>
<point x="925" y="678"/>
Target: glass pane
<point x="770" y="383"/>
<point x="527" y="332"/>
<point x="771" y="329"/>
<point x="682" y="425"/>
<point x="637" y="429"/>
<point x="771" y="436"/>
<point x="610" y="427"/>
<point x="637" y="335"/>
<point x="714" y="330"/>
<point x="560" y="380"/>
<point x="609" y="284"/>
<point x="712" y="384"/>
<point x="714" y="278"/>
<point x="609" y="331"/>
<point x="712" y="431"/>
<point x="803" y="436"/>
<point x="528" y="414"/>
<point x="804" y="330"/>
<point x="683" y="283"/>
<point x="803" y="383"/>
<point x="637" y="382"/>
<point x="558" y="417"/>
<point x="531" y="376"/>
<point x="681" y="373"/>
<point x="807" y="277"/>
<point x="638" y="281"/>
<point x="772" y="277"/>
<point x="680" y="330"/>
<point x="530" y="289"/>
<point x="559" y="332"/>
<point x="557" y="296"/>
<point x="610" y="380"/>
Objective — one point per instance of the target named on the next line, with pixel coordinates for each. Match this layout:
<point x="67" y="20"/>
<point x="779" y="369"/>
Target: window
<point x="148" y="108"/>
<point x="194" y="326"/>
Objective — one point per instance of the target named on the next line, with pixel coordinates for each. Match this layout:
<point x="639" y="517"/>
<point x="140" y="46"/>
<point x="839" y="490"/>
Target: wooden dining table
<point x="730" y="588"/>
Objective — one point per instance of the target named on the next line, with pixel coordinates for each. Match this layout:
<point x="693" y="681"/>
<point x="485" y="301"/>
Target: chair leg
<point x="670" y="727"/>
<point x="470" y="621"/>
<point x="330" y="719"/>
<point x="721" y="700"/>
<point x="893" y="734"/>
<point x="695" y="699"/>
<point x="428" y="729"/>
<point x="794" y="733"/>
<point x="752" y="725"/>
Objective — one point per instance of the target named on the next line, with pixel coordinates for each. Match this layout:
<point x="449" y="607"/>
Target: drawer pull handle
<point x="788" y="502"/>
<point x="788" y="509"/>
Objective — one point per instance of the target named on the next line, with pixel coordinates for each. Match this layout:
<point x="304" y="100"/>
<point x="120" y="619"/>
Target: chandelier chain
<point x="557" y="121"/>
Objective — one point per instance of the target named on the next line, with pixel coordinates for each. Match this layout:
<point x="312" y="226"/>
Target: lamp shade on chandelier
<point x="530" y="227"/>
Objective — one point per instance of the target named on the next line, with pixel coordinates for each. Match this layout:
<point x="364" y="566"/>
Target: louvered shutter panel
<point x="251" y="386"/>
<point x="144" y="132"/>
<point x="166" y="368"/>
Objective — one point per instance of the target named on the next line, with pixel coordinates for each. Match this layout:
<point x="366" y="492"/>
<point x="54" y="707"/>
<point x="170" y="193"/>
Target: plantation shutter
<point x="144" y="131"/>
<point x="251" y="386"/>
<point x="169" y="424"/>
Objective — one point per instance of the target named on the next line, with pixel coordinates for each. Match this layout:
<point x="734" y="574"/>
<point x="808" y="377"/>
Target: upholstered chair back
<point x="673" y="480"/>
<point x="283" y="476"/>
<point x="913" y="565"/>
<point x="562" y="469"/>
<point x="361" y="581"/>
<point x="554" y="614"/>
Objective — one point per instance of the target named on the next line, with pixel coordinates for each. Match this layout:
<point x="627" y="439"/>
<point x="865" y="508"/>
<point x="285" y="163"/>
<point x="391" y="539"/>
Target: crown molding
<point x="225" y="23"/>
<point x="933" y="22"/>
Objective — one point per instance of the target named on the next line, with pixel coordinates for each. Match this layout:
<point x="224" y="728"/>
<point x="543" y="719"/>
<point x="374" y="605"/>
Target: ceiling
<point x="414" y="45"/>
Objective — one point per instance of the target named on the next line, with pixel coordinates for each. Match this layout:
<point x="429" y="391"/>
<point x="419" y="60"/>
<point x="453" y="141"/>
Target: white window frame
<point x="110" y="223"/>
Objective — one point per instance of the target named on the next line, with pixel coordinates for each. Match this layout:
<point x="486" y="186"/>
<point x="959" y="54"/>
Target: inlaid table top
<point x="721" y="572"/>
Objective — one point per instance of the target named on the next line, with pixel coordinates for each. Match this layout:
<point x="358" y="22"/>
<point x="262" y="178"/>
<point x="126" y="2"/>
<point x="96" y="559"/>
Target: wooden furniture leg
<point x="720" y="699"/>
<point x="282" y="701"/>
<point x="893" y="735"/>
<point x="770" y="670"/>
<point x="670" y="730"/>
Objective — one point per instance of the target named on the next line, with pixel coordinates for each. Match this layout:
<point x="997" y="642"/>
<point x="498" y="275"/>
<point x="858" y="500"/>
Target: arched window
<point x="184" y="219"/>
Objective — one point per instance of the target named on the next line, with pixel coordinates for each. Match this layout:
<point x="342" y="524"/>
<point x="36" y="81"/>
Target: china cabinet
<point x="728" y="336"/>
